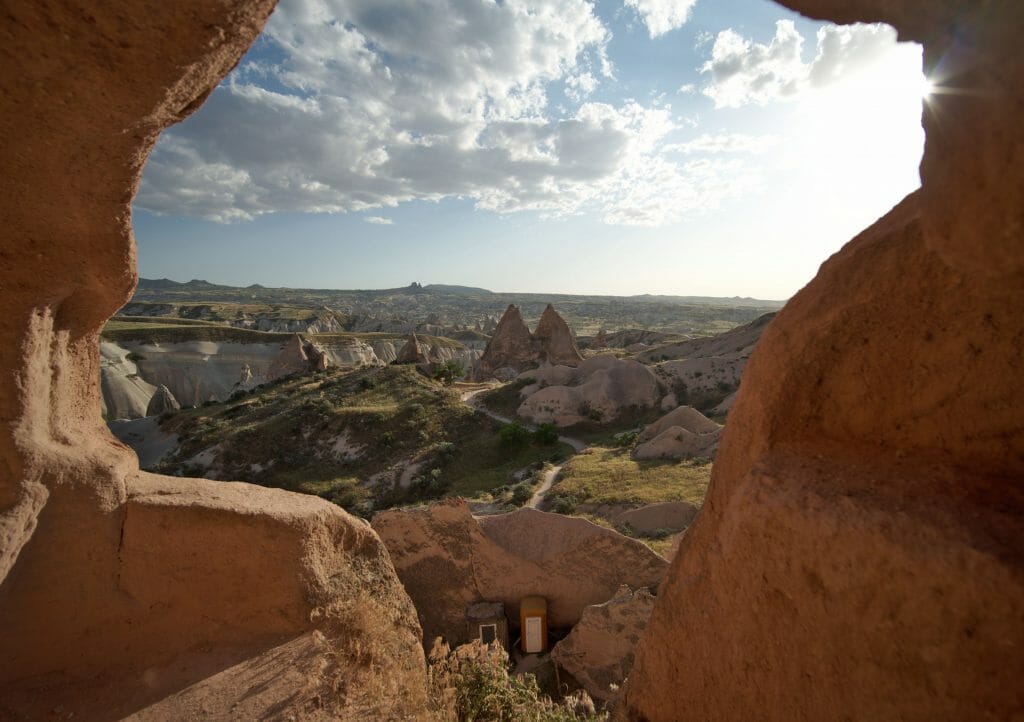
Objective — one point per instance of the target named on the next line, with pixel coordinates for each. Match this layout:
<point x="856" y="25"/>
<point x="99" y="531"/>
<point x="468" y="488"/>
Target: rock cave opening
<point x="870" y="466"/>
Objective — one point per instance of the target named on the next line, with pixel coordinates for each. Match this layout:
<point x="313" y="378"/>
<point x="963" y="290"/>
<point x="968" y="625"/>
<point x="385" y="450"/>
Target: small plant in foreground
<point x="472" y="683"/>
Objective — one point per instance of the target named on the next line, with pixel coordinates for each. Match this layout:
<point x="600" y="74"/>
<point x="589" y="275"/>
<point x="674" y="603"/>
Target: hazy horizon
<point x="428" y="284"/>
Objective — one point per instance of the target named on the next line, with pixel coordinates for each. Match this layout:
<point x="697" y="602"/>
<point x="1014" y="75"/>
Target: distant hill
<point x="164" y="284"/>
<point x="711" y="300"/>
<point x="463" y="290"/>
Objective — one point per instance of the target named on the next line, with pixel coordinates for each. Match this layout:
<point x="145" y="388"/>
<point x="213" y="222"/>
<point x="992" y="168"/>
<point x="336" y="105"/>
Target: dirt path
<point x="469" y="398"/>
<point x="542" y="491"/>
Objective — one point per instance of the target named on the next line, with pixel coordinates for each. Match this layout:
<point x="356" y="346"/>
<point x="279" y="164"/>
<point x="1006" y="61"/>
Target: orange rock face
<point x="860" y="552"/>
<point x="448" y="559"/>
<point x="122" y="591"/>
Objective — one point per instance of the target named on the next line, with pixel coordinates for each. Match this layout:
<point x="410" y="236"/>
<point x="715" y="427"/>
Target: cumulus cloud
<point x="353" y="105"/>
<point x="662" y="16"/>
<point x="379" y="220"/>
<point x="744" y="72"/>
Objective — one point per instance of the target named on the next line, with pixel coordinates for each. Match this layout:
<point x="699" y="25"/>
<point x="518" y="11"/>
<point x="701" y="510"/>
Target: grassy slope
<point x="281" y="435"/>
<point x="611" y="476"/>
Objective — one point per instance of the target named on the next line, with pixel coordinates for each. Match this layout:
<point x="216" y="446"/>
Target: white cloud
<point x="662" y="16"/>
<point x="744" y="72"/>
<point x="379" y="220"/>
<point x="578" y="87"/>
<point x="364" y="104"/>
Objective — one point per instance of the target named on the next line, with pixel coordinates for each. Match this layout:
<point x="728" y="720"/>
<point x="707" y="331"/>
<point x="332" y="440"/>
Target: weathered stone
<point x="600" y="389"/>
<point x="511" y="345"/>
<point x="162" y="402"/>
<point x="122" y="591"/>
<point x="599" y="650"/>
<point x="682" y="433"/>
<point x="411" y="352"/>
<point x="448" y="559"/>
<point x="557" y="345"/>
<point x="859" y="553"/>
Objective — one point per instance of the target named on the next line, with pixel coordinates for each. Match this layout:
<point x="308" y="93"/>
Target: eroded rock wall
<point x="121" y="590"/>
<point x="860" y="552"/>
<point x="447" y="559"/>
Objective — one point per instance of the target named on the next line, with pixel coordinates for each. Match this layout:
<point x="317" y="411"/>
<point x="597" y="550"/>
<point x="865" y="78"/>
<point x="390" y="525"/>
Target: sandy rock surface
<point x="681" y="433"/>
<point x="601" y="387"/>
<point x="119" y="589"/>
<point x="599" y="650"/>
<point x="447" y="559"/>
<point x="861" y="539"/>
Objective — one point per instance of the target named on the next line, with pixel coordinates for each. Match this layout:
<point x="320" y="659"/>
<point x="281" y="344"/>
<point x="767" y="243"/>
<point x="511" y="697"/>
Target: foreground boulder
<point x="598" y="652"/>
<point x="448" y="559"/>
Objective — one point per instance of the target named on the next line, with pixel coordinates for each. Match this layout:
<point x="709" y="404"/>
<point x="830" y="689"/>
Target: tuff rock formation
<point x="123" y="592"/>
<point x="125" y="393"/>
<point x="411" y="352"/>
<point x="599" y="650"/>
<point x="670" y="516"/>
<point x="680" y="434"/>
<point x="557" y="345"/>
<point x="448" y="559"/>
<point x="600" y="389"/>
<point x="860" y="552"/>
<point x="162" y="402"/>
<point x="704" y="366"/>
<point x="513" y="348"/>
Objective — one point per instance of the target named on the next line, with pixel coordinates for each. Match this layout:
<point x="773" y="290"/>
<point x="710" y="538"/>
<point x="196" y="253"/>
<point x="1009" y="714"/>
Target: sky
<point x="686" y="147"/>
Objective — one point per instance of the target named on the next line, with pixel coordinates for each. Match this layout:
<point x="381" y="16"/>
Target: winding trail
<point x="469" y="399"/>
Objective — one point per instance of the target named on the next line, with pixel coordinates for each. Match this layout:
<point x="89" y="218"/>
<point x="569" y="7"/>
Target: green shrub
<point x="564" y="504"/>
<point x="626" y="439"/>
<point x="521" y="493"/>
<point x="545" y="435"/>
<point x="514" y="435"/>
